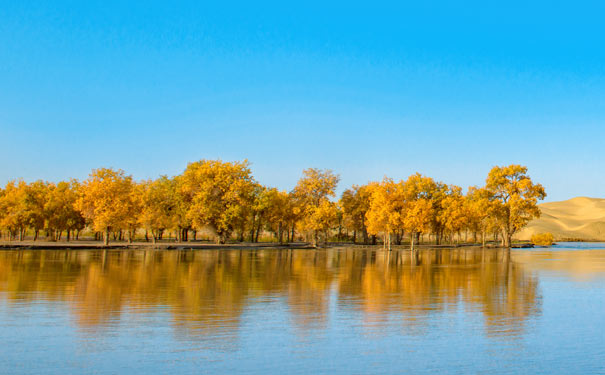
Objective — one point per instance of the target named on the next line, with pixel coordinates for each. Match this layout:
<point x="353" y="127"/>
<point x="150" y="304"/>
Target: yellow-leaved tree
<point x="14" y="209"/>
<point x="279" y="212"/>
<point x="60" y="211"/>
<point x="514" y="197"/>
<point x="386" y="209"/>
<point x="454" y="215"/>
<point x="158" y="205"/>
<point x="218" y="193"/>
<point x="312" y="193"/>
<point x="479" y="210"/>
<point x="418" y="208"/>
<point x="105" y="199"/>
<point x="355" y="203"/>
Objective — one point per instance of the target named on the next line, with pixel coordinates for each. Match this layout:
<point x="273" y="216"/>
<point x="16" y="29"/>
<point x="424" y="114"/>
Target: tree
<point x="278" y="212"/>
<point x="181" y="209"/>
<point x="158" y="205"/>
<point x="419" y="211"/>
<point x="312" y="192"/>
<point x="321" y="219"/>
<point x="480" y="211"/>
<point x="454" y="216"/>
<point x="386" y="209"/>
<point x="14" y="209"/>
<point x="35" y="195"/>
<point x="355" y="203"/>
<point x="106" y="200"/>
<point x="219" y="193"/>
<point x="515" y="199"/>
<point x="59" y="209"/>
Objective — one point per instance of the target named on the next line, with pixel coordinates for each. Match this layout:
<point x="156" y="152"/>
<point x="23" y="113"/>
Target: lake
<point x="330" y="311"/>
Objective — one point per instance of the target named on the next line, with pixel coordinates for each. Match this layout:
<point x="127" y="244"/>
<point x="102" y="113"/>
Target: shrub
<point x="542" y="239"/>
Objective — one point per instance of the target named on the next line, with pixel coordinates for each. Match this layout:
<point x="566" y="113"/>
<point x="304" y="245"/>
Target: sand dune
<point x="578" y="218"/>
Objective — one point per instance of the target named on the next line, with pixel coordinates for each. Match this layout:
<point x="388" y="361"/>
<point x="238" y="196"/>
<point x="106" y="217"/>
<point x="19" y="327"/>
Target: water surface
<point x="348" y="311"/>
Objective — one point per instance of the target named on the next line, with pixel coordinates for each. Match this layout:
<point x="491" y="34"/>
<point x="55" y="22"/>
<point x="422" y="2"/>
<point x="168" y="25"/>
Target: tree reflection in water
<point x="206" y="293"/>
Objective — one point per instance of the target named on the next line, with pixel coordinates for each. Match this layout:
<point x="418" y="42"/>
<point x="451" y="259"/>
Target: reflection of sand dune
<point x="581" y="218"/>
<point x="577" y="264"/>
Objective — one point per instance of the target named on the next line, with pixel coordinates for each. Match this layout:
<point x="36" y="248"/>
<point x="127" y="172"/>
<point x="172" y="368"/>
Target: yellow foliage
<point x="542" y="239"/>
<point x="220" y="193"/>
<point x="106" y="199"/>
<point x="224" y="197"/>
<point x="314" y="208"/>
<point x="515" y="198"/>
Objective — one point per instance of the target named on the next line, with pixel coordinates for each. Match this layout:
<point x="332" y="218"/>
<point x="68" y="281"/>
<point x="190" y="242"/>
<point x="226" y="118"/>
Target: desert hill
<point x="578" y="218"/>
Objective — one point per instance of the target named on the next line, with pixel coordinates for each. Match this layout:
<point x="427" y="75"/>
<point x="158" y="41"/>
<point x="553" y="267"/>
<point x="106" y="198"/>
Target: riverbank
<point x="89" y="245"/>
<point x="202" y="245"/>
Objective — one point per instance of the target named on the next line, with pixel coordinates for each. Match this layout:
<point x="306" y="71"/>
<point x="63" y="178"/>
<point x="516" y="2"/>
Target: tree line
<point x="224" y="199"/>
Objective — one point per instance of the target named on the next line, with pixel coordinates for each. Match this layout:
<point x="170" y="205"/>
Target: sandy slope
<point x="581" y="218"/>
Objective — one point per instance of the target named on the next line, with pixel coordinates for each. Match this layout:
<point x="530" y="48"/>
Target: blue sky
<point x="366" y="89"/>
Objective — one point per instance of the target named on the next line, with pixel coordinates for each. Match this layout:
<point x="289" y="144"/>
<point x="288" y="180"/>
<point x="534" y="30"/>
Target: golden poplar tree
<point x="220" y="194"/>
<point x="386" y="209"/>
<point x="60" y="212"/>
<point x="454" y="215"/>
<point x="418" y="208"/>
<point x="278" y="212"/>
<point x="480" y="211"/>
<point x="313" y="192"/>
<point x="14" y="209"/>
<point x="515" y="199"/>
<point x="35" y="195"/>
<point x="158" y="206"/>
<point x="355" y="203"/>
<point x="106" y="200"/>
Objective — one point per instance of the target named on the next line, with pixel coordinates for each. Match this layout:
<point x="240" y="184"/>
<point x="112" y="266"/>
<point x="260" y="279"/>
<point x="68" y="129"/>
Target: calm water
<point x="348" y="311"/>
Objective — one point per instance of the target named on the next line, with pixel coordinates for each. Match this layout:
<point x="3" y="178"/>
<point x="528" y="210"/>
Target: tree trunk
<point x="258" y="228"/>
<point x="412" y="238"/>
<point x="106" y="237"/>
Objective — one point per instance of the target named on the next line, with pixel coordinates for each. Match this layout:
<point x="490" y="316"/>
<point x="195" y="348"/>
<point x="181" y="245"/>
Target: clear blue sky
<point x="448" y="89"/>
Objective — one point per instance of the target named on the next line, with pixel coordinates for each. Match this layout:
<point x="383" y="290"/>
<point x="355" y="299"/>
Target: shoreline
<point x="95" y="245"/>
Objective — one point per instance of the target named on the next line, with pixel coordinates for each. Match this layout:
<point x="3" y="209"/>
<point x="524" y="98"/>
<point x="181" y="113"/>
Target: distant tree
<point x="14" y="210"/>
<point x="419" y="211"/>
<point x="158" y="205"/>
<point x="480" y="212"/>
<point x="220" y="193"/>
<point x="312" y="193"/>
<point x="60" y="212"/>
<point x="454" y="215"/>
<point x="515" y="199"/>
<point x="542" y="239"/>
<point x="35" y="194"/>
<point x="355" y="203"/>
<point x="386" y="209"/>
<point x="106" y="200"/>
